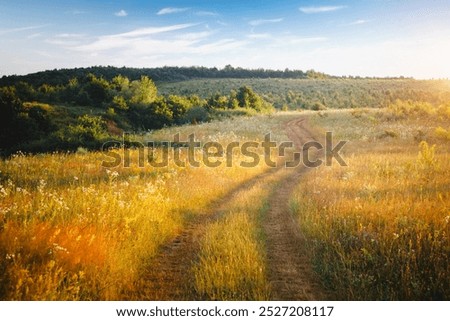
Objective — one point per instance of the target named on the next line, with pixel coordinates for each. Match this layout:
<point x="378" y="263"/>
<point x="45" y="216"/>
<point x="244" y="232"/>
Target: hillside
<point x="84" y="107"/>
<point x="162" y="74"/>
<point x="331" y="92"/>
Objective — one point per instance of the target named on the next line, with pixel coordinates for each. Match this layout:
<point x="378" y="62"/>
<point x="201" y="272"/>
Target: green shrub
<point x="195" y="115"/>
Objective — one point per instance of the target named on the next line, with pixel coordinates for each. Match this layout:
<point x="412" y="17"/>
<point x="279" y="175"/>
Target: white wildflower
<point x="59" y="248"/>
<point x="3" y="191"/>
<point x="10" y="256"/>
<point x="42" y="184"/>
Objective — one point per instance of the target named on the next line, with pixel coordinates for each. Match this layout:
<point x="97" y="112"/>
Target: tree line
<point x="61" y="76"/>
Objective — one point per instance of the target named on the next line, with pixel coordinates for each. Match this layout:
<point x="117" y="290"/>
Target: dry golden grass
<point x="232" y="255"/>
<point x="379" y="228"/>
<point x="73" y="230"/>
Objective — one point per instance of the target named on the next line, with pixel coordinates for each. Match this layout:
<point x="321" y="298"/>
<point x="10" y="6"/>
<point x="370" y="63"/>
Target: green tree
<point x="88" y="131"/>
<point x="119" y="103"/>
<point x="178" y="105"/>
<point x="152" y="116"/>
<point x="25" y="91"/>
<point x="97" y="89"/>
<point x="47" y="92"/>
<point x="233" y="101"/>
<point x="243" y="96"/>
<point x="120" y="83"/>
<point x="195" y="100"/>
<point x="217" y="101"/>
<point x="71" y="91"/>
<point x="10" y="107"/>
<point x="247" y="98"/>
<point x="318" y="106"/>
<point x="143" y="91"/>
<point x="194" y="115"/>
<point x="39" y="114"/>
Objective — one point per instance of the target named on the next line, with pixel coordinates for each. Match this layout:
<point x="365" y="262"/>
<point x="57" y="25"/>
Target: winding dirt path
<point x="289" y="271"/>
<point x="169" y="274"/>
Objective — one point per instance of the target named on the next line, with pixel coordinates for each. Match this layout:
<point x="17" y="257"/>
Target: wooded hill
<point x="83" y="107"/>
<point x="162" y="74"/>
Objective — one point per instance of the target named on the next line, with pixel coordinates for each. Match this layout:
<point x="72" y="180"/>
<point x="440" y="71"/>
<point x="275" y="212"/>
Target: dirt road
<point x="169" y="274"/>
<point x="289" y="270"/>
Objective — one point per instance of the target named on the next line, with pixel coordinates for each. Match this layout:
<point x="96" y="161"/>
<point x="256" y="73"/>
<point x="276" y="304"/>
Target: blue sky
<point x="365" y="37"/>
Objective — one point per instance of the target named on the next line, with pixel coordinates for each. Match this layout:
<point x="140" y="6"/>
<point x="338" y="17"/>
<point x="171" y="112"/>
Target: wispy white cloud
<point x="76" y="12"/>
<point x="121" y="13"/>
<point x="70" y="35"/>
<point x="223" y="45"/>
<point x="299" y="40"/>
<point x="34" y="35"/>
<point x="152" y="30"/>
<point x="121" y="40"/>
<point x="171" y="45"/>
<point x="170" y="10"/>
<point x="259" y="36"/>
<point x="13" y="30"/>
<point x="259" y="22"/>
<point x="206" y="13"/>
<point x="358" y="22"/>
<point x="286" y="39"/>
<point x="222" y="23"/>
<point x="320" y="9"/>
<point x="66" y="39"/>
<point x="194" y="36"/>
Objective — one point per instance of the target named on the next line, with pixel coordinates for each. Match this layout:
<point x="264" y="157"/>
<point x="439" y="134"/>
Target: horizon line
<point x="224" y="67"/>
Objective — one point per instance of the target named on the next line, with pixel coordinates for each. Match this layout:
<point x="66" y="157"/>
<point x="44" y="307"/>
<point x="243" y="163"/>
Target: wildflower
<point x="42" y="184"/>
<point x="121" y="204"/>
<point x="3" y="191"/>
<point x="59" y="248"/>
<point x="10" y="256"/>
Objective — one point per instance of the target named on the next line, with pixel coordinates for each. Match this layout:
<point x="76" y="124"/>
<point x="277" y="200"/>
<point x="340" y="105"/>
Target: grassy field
<point x="378" y="229"/>
<point x="71" y="229"/>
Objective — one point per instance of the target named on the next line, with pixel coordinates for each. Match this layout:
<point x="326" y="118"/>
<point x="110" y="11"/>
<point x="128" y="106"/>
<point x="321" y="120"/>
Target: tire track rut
<point x="169" y="277"/>
<point x="290" y="273"/>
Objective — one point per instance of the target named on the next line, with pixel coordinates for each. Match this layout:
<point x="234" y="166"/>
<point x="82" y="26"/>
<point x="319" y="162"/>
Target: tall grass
<point x="379" y="228"/>
<point x="73" y="230"/>
<point x="232" y="255"/>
